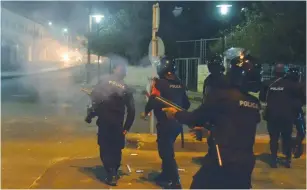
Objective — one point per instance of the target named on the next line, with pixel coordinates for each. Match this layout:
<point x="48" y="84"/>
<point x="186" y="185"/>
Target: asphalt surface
<point x="88" y="173"/>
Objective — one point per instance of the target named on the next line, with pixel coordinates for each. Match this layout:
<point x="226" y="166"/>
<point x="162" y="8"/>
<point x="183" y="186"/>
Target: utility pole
<point x="155" y="28"/>
<point x="88" y="47"/>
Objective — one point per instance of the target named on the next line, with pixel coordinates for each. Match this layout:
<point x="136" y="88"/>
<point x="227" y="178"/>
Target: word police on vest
<point x="277" y="88"/>
<point x="116" y="84"/>
<point x="175" y="86"/>
<point x="248" y="104"/>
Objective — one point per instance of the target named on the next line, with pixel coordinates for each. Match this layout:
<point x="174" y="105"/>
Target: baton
<point x="87" y="91"/>
<point x="173" y="105"/>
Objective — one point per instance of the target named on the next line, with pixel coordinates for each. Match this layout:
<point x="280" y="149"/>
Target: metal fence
<point x="196" y="48"/>
<point x="191" y="53"/>
<point x="268" y="70"/>
<point x="187" y="71"/>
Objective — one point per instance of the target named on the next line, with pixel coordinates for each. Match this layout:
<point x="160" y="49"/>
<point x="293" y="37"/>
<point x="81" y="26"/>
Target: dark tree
<point x="125" y="32"/>
<point x="272" y="31"/>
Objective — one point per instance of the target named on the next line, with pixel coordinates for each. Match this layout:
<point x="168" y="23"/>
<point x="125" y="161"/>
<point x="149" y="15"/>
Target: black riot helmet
<point x="245" y="73"/>
<point x="215" y="65"/>
<point x="166" y="66"/>
<point x="293" y="74"/>
<point x="119" y="70"/>
<point x="280" y="70"/>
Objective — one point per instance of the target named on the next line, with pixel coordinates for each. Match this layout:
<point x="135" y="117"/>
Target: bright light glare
<point x="98" y="18"/>
<point x="65" y="30"/>
<point x="66" y="57"/>
<point x="224" y="9"/>
<point x="49" y="23"/>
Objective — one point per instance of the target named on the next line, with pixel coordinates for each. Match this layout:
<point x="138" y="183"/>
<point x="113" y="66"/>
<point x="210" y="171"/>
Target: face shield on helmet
<point x="293" y="74"/>
<point x="215" y="65"/>
<point x="245" y="73"/>
<point x="120" y="70"/>
<point x="280" y="70"/>
<point x="165" y="66"/>
<point x="235" y="52"/>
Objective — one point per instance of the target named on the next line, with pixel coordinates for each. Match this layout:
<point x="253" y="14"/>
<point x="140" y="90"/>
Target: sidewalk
<point x="143" y="166"/>
<point x="148" y="142"/>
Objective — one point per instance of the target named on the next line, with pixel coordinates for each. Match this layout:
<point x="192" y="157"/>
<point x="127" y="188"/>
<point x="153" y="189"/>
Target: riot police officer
<point x="234" y="115"/>
<point x="216" y="78"/>
<point x="171" y="88"/>
<point x="110" y="96"/>
<point x="282" y="98"/>
<point x="294" y="75"/>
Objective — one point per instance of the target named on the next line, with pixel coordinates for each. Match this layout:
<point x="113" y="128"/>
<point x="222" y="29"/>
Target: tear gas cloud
<point x="63" y="86"/>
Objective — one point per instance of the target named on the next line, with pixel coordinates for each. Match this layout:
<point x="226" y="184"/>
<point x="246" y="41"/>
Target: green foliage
<point x="124" y="33"/>
<point x="272" y="31"/>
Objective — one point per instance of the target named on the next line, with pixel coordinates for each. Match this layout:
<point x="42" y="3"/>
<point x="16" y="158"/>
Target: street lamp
<point x="98" y="18"/>
<point x="49" y="23"/>
<point x="65" y="30"/>
<point x="224" y="8"/>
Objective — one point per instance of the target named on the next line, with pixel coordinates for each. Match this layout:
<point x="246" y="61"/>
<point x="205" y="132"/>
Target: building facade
<point x="24" y="41"/>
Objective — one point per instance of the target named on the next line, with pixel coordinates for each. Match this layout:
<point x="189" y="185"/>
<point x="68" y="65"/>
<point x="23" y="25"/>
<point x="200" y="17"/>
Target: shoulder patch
<point x="244" y="103"/>
<point x="114" y="83"/>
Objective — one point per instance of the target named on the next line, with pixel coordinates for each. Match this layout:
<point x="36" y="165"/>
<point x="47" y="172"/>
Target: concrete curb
<point x="148" y="142"/>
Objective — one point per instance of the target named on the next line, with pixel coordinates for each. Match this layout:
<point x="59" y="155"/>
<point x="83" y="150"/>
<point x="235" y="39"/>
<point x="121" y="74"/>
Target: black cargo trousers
<point x="111" y="141"/>
<point x="235" y="175"/>
<point x="280" y="127"/>
<point x="166" y="136"/>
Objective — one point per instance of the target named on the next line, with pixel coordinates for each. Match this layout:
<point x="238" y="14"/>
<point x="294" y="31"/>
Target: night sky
<point x="198" y="19"/>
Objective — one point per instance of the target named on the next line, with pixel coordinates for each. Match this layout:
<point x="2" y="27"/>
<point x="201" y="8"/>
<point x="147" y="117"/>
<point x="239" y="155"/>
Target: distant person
<point x="300" y="124"/>
<point x="110" y="98"/>
<point x="216" y="78"/>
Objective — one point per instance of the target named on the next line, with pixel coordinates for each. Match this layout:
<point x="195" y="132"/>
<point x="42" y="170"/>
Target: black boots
<point x="112" y="177"/>
<point x="298" y="150"/>
<point x="163" y="181"/>
<point x="273" y="162"/>
<point x="174" y="184"/>
<point x="288" y="163"/>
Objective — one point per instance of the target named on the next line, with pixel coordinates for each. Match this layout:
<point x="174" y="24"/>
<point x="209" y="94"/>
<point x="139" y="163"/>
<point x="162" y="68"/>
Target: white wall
<point x="203" y="72"/>
<point x="138" y="76"/>
<point x="32" y="38"/>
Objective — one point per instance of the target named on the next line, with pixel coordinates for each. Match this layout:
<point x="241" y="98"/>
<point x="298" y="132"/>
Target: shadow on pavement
<point x="149" y="177"/>
<point x="264" y="157"/>
<point x="198" y="160"/>
<point x="96" y="172"/>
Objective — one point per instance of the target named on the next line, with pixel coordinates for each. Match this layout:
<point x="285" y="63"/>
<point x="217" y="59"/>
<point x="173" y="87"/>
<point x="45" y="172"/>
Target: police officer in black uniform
<point x="294" y="75"/>
<point x="234" y="115"/>
<point x="171" y="88"/>
<point x="283" y="103"/>
<point x="216" y="78"/>
<point x="110" y="97"/>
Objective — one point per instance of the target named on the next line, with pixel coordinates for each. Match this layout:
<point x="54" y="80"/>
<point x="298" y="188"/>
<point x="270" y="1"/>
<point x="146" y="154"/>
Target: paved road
<point x="88" y="173"/>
